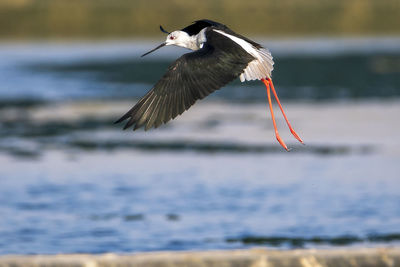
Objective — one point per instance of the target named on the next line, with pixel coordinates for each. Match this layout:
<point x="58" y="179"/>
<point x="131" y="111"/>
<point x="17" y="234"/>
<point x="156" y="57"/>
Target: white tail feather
<point x="260" y="68"/>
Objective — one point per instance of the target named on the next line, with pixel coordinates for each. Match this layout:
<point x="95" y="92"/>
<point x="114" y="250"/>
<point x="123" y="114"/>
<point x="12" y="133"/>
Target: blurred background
<point x="215" y="178"/>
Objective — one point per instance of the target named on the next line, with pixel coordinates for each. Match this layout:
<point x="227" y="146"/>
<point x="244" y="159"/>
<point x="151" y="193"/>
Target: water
<point x="215" y="178"/>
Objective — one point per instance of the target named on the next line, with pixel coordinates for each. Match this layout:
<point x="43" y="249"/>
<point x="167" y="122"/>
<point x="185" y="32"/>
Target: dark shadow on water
<point x="206" y="147"/>
<point x="134" y="217"/>
<point x="178" y="146"/>
<point x="300" y="242"/>
<point x="30" y="129"/>
<point x="21" y="103"/>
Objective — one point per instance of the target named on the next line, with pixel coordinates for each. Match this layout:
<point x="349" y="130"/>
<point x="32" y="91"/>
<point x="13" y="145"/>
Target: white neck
<point x="182" y="39"/>
<point x="192" y="43"/>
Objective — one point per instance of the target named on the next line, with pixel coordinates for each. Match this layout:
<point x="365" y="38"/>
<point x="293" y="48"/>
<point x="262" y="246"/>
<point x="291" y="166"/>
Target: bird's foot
<point x="296" y="135"/>
<point x="278" y="137"/>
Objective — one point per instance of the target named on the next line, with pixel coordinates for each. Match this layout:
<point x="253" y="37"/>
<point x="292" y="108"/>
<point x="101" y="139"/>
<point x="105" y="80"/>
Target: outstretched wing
<point x="191" y="77"/>
<point x="198" y="25"/>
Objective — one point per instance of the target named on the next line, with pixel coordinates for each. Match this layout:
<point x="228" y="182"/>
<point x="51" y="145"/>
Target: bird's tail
<point x="259" y="68"/>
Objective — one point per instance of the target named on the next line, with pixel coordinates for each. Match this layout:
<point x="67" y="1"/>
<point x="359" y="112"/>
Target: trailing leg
<point x="268" y="80"/>
<point x="278" y="137"/>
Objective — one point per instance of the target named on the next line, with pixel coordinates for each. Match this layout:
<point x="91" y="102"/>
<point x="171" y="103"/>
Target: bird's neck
<point x="190" y="42"/>
<point x="194" y="42"/>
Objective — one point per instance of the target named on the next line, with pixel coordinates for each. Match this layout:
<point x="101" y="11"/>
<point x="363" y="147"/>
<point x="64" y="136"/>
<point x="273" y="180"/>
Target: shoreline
<point x="257" y="257"/>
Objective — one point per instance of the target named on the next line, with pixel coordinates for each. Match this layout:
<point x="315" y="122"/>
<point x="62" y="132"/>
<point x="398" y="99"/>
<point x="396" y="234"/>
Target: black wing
<point x="198" y="25"/>
<point x="191" y="77"/>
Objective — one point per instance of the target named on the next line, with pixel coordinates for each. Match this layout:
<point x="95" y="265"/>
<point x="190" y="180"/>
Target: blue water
<point x="215" y="178"/>
<point x="95" y="203"/>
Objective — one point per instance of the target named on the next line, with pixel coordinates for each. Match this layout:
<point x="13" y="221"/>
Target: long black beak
<point x="161" y="45"/>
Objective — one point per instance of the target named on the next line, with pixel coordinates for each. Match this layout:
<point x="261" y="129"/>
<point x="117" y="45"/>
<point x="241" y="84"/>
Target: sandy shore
<point x="253" y="257"/>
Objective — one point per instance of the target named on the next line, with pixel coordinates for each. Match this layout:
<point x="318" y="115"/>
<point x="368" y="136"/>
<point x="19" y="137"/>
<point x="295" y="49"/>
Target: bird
<point x="218" y="56"/>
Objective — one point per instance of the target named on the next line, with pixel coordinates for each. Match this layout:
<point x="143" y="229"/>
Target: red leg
<point x="272" y="115"/>
<point x="283" y="113"/>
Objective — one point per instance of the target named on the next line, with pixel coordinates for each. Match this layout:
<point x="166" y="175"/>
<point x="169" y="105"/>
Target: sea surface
<point x="214" y="178"/>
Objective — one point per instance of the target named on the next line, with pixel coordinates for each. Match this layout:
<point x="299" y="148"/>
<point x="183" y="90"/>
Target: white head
<point x="179" y="38"/>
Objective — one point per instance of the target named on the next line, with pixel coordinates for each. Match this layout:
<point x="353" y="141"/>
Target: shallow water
<point x="71" y="181"/>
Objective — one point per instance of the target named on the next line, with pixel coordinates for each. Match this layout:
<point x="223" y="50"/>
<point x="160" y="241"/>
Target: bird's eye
<point x="172" y="37"/>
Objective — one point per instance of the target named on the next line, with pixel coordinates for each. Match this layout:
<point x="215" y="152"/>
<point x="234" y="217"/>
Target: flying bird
<point x="219" y="56"/>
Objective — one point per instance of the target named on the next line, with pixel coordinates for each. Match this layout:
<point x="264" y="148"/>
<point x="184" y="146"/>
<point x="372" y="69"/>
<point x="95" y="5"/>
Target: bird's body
<point x="219" y="56"/>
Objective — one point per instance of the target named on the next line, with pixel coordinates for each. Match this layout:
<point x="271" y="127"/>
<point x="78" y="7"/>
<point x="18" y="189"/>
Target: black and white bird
<point x="219" y="56"/>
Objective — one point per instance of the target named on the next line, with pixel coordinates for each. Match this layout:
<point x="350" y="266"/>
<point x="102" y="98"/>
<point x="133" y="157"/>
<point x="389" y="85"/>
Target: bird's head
<point x="179" y="38"/>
